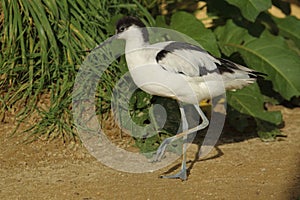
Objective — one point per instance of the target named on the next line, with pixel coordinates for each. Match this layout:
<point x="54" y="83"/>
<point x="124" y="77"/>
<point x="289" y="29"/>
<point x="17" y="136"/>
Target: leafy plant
<point x="43" y="44"/>
<point x="249" y="35"/>
<point x="42" y="48"/>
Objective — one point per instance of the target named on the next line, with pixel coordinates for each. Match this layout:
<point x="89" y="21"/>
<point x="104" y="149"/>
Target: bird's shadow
<point x="228" y="136"/>
<point x="195" y="160"/>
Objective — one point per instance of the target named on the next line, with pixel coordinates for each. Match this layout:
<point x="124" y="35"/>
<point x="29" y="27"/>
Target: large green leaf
<point x="187" y="23"/>
<point x="289" y="27"/>
<point x="251" y="8"/>
<point x="250" y="101"/>
<point x="268" y="54"/>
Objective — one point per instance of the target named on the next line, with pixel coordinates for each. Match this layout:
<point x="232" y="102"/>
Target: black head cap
<point x="126" y="22"/>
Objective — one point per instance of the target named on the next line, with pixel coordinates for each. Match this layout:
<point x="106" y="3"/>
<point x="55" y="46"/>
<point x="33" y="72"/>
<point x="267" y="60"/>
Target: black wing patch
<point x="223" y="66"/>
<point x="228" y="66"/>
<point x="176" y="46"/>
<point x="182" y="45"/>
<point x="160" y="55"/>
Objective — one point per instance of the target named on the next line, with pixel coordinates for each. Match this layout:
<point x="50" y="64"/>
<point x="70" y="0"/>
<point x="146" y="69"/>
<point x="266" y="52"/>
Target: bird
<point x="181" y="71"/>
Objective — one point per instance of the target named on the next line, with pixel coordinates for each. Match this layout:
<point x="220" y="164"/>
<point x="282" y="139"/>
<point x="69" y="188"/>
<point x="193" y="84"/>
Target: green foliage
<point x="251" y="8"/>
<point x="43" y="44"/>
<point x="186" y="23"/>
<point x="268" y="54"/>
<point x="289" y="28"/>
<point x="249" y="101"/>
<point x="42" y="48"/>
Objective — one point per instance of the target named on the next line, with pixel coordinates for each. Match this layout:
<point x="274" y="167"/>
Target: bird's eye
<point x="121" y="29"/>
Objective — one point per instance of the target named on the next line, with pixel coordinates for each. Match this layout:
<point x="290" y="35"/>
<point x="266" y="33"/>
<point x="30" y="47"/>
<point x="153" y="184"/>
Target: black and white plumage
<point x="181" y="71"/>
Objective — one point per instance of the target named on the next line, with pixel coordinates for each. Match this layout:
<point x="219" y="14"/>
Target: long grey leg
<point x="182" y="174"/>
<point x="161" y="150"/>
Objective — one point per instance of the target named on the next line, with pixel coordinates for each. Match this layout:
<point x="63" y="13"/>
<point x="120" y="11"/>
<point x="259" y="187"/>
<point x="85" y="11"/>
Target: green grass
<point x="42" y="48"/>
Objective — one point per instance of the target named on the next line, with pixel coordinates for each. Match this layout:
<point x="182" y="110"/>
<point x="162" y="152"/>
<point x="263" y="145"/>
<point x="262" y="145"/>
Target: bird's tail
<point x="236" y="76"/>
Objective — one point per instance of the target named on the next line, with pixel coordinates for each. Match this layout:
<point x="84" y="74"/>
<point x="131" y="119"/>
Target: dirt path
<point x="249" y="169"/>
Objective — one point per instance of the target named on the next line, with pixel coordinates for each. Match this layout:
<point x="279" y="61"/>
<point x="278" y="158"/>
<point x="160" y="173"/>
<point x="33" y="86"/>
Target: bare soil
<point x="241" y="167"/>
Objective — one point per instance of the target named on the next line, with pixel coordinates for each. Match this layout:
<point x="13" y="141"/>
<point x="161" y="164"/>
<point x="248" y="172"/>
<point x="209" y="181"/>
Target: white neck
<point x="134" y="47"/>
<point x="135" y="40"/>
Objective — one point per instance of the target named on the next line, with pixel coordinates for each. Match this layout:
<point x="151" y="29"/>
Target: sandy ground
<point x="239" y="168"/>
